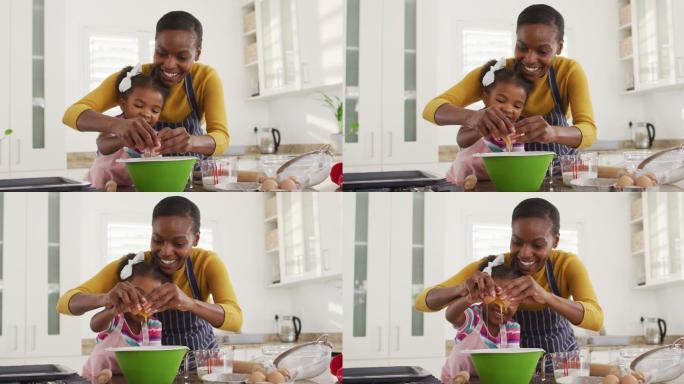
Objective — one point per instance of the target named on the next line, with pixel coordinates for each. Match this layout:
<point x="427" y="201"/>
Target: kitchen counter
<point x="323" y="379"/>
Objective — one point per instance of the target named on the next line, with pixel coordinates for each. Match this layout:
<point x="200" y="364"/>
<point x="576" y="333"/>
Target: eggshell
<point x="629" y="379"/>
<point x="462" y="377"/>
<point x="256" y="377"/>
<point x="644" y="181"/>
<point x="269" y="185"/>
<point x="275" y="377"/>
<point x="611" y="379"/>
<point x="110" y="186"/>
<point x="625" y="181"/>
<point x="470" y="182"/>
<point x="489" y="299"/>
<point x="288" y="185"/>
<point x="104" y="377"/>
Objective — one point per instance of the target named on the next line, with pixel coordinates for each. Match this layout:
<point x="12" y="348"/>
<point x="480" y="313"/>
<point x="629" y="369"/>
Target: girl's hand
<point x="490" y="122"/>
<point x="175" y="140"/>
<point x="123" y="297"/>
<point x="480" y="285"/>
<point x="525" y="290"/>
<point x="169" y="296"/>
<point x="135" y="133"/>
<point x="535" y="130"/>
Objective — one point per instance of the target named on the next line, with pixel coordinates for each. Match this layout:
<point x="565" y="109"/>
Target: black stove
<point x="397" y="181"/>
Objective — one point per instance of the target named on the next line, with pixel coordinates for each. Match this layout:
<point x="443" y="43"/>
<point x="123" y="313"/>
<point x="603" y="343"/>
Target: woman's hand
<point x="135" y="133"/>
<point x="169" y="296"/>
<point x="535" y="130"/>
<point x="175" y="140"/>
<point x="490" y="122"/>
<point x="480" y="285"/>
<point x="525" y="290"/>
<point x="124" y="297"/>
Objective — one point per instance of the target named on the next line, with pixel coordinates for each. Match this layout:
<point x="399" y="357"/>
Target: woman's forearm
<point x="91" y="121"/>
<point x="571" y="310"/>
<point x="204" y="144"/>
<point x="102" y="319"/>
<point x="438" y="298"/>
<point x="449" y="114"/>
<point x="213" y="313"/>
<point x="81" y="303"/>
<point x="570" y="136"/>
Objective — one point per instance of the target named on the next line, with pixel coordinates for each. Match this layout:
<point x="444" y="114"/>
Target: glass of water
<point x="571" y="363"/>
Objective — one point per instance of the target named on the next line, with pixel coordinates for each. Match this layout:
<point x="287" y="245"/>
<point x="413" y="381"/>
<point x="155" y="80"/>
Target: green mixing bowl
<point x="505" y="366"/>
<point x="150" y="365"/>
<point x="517" y="171"/>
<point x="160" y="174"/>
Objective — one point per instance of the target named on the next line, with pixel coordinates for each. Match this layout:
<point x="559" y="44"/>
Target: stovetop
<point x="440" y="186"/>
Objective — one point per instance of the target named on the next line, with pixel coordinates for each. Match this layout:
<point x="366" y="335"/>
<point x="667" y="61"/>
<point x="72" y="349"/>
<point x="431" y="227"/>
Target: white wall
<point x="604" y="247"/>
<point x="222" y="49"/>
<point x="672" y="313"/>
<point x="593" y="41"/>
<point x="666" y="111"/>
<point x="239" y="241"/>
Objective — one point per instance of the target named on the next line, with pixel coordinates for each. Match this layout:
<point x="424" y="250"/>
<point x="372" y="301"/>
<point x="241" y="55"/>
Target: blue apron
<point x="556" y="118"/>
<point x="192" y="123"/>
<point x="546" y="329"/>
<point x="186" y="328"/>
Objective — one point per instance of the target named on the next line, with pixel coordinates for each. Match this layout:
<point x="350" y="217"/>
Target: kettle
<point x="654" y="329"/>
<point x="268" y="139"/>
<point x="289" y="328"/>
<point x="643" y="135"/>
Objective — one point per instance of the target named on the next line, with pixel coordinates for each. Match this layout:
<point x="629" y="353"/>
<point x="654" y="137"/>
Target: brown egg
<point x="629" y="379"/>
<point x="470" y="182"/>
<point x="639" y="376"/>
<point x="259" y="368"/>
<point x="288" y="185"/>
<point x="294" y="178"/>
<point x="269" y="185"/>
<point x="275" y="377"/>
<point x="611" y="379"/>
<point x="652" y="176"/>
<point x="256" y="377"/>
<point x="625" y="181"/>
<point x="644" y="181"/>
<point x="285" y="372"/>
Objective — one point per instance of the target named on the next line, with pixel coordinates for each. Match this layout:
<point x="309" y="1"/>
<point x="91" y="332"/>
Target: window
<point x="481" y="46"/>
<point x="493" y="239"/>
<point x="128" y="237"/>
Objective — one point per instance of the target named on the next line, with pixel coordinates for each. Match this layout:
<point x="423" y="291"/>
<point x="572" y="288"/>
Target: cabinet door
<point x="37" y="85"/>
<point x="5" y="90"/>
<point x="12" y="275"/>
<point x="415" y="234"/>
<point x="363" y="84"/>
<point x="655" y="54"/>
<point x="320" y="27"/>
<point x="278" y="45"/>
<point x="50" y="270"/>
<point x="299" y="236"/>
<point x="662" y="237"/>
<point x="330" y="221"/>
<point x="366" y="271"/>
<point x="408" y="35"/>
<point x="678" y="35"/>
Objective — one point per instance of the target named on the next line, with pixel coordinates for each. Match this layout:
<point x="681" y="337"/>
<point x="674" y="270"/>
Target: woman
<point x="559" y="85"/>
<point x="196" y="94"/>
<point x="182" y="306"/>
<point x="554" y="291"/>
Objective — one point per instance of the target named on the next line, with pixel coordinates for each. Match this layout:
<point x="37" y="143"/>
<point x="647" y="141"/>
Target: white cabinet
<point x="387" y="238"/>
<point x="663" y="226"/>
<point x="5" y="90"/>
<point x="388" y="42"/>
<point x="37" y="266"/>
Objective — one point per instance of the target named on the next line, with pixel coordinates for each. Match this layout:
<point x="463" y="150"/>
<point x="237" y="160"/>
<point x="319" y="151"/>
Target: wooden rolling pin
<point x="610" y="172"/>
<point x="244" y="366"/>
<point x="603" y="370"/>
<point x="250" y="176"/>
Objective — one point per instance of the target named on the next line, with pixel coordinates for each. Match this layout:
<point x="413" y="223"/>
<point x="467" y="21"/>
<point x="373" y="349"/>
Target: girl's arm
<point x="107" y="144"/>
<point x="455" y="313"/>
<point x="101" y="321"/>
<point x="467" y="136"/>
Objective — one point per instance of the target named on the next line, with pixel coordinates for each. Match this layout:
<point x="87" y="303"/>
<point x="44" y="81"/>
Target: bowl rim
<point x="148" y="348"/>
<point x="499" y="351"/>
<point x="515" y="154"/>
<point x="155" y="159"/>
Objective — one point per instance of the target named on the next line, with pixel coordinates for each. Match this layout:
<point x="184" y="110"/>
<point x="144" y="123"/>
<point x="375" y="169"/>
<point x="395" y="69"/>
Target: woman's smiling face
<point x="172" y="239"/>
<point x="174" y="54"/>
<point x="535" y="49"/>
<point x="531" y="243"/>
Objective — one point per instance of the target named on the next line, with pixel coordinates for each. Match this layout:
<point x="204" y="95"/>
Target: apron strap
<point x="555" y="93"/>
<point x="190" y="274"/>
<point x="190" y="92"/>
<point x="551" y="278"/>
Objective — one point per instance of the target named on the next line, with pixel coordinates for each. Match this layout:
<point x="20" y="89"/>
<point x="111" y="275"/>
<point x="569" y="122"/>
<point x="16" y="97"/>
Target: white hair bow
<point x="488" y="78"/>
<point x="494" y="263"/>
<point x="126" y="83"/>
<point x="127" y="270"/>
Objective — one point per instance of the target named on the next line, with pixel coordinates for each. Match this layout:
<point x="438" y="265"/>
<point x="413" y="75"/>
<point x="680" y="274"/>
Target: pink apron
<point x="100" y="358"/>
<point x="106" y="168"/>
<point x="466" y="163"/>
<point x="458" y="361"/>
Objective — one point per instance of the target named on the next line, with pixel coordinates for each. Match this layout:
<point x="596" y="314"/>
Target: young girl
<point x="140" y="96"/>
<point x="133" y="327"/>
<point x="506" y="91"/>
<point x="480" y="321"/>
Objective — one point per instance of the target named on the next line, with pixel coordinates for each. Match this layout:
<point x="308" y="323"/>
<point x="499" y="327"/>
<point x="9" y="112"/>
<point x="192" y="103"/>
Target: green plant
<point x="8" y="132"/>
<point x="336" y="105"/>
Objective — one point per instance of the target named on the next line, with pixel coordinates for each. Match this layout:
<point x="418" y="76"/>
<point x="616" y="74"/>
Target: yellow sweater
<point x="208" y="91"/>
<point x="572" y="85"/>
<point x="210" y="272"/>
<point x="571" y="277"/>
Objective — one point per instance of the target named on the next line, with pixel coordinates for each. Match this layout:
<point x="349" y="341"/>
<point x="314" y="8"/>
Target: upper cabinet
<point x="292" y="45"/>
<point x="651" y="44"/>
<point x="385" y="90"/>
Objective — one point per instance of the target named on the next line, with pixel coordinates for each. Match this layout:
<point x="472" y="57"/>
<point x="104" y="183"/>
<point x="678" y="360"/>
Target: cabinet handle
<point x="397" y="344"/>
<point x="33" y="337"/>
<point x="379" y="339"/>
<point x="372" y="144"/>
<point x="389" y="144"/>
<point x="16" y="338"/>
<point x="326" y="260"/>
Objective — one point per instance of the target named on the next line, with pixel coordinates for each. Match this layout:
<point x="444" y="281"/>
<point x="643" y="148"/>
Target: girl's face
<point x="172" y="240"/>
<point x="531" y="243"/>
<point x="145" y="102"/>
<point x="507" y="97"/>
<point x="144" y="285"/>
<point x="536" y="48"/>
<point x="175" y="53"/>
<point x="495" y="315"/>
